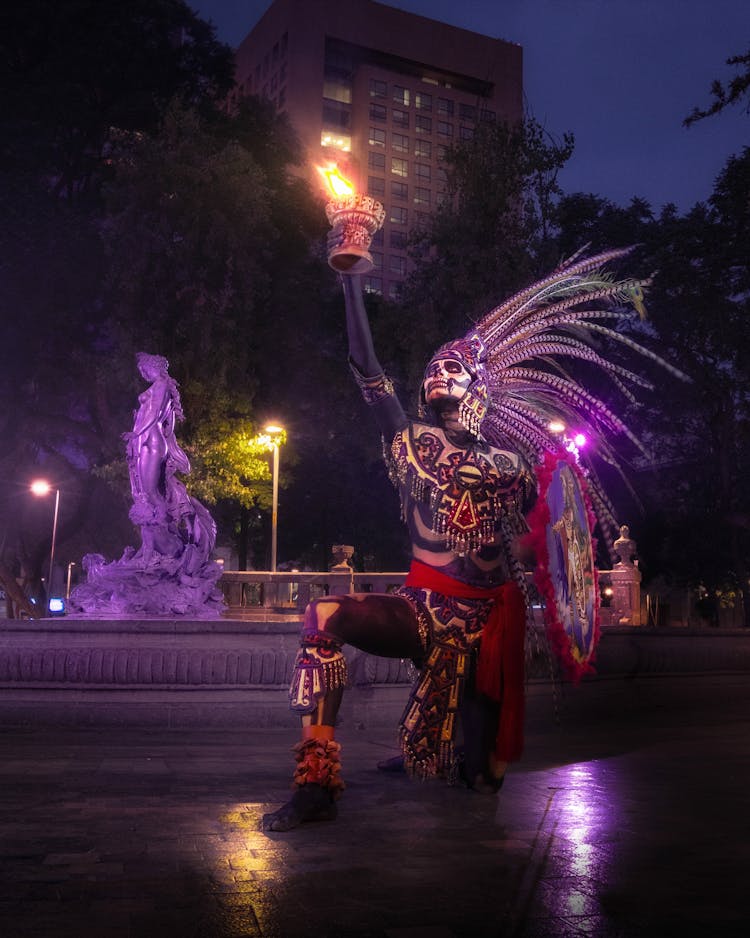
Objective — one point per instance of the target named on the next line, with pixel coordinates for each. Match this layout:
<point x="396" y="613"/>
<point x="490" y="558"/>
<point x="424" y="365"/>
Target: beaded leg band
<point x="318" y="764"/>
<point x="320" y="667"/>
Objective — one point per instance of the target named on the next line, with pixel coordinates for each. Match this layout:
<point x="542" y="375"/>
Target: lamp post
<point x="70" y="572"/>
<point x="40" y="488"/>
<point x="274" y="432"/>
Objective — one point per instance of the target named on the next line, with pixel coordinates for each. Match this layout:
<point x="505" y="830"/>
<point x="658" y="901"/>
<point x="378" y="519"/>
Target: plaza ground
<point x="629" y="817"/>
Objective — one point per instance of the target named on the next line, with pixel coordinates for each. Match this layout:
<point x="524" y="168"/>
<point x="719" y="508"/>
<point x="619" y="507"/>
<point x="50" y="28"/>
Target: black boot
<point x="308" y="803"/>
<point x="318" y="784"/>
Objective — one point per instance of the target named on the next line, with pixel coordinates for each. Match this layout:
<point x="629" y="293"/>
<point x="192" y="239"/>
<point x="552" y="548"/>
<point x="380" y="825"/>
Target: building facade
<point x="383" y="94"/>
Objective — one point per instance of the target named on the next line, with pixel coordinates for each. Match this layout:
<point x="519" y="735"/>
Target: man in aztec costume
<point x="466" y="471"/>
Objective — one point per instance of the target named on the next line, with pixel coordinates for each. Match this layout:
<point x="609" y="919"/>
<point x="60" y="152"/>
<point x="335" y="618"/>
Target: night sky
<point x="619" y="74"/>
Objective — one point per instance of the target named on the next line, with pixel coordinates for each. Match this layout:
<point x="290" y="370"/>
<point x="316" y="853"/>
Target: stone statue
<point x="172" y="572"/>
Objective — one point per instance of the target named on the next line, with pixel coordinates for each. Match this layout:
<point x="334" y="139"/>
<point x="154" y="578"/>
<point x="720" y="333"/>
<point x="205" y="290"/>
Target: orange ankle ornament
<point x="318" y="764"/>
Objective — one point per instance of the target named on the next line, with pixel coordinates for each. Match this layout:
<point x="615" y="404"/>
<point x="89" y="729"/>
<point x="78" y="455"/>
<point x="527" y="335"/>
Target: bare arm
<point x="361" y="350"/>
<point x="376" y="388"/>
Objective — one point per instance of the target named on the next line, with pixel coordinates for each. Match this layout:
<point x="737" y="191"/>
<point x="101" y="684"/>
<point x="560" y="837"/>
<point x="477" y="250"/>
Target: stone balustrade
<point x="248" y="593"/>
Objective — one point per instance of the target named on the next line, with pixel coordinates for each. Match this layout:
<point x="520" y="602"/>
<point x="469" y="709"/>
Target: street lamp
<point x="274" y="432"/>
<point x="40" y="488"/>
<point x="70" y="573"/>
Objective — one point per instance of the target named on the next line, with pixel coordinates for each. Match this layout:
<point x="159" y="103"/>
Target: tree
<point x="736" y="91"/>
<point x="489" y="235"/>
<point x="77" y="78"/>
<point x="694" y="529"/>
<point x="72" y="70"/>
<point x="702" y="306"/>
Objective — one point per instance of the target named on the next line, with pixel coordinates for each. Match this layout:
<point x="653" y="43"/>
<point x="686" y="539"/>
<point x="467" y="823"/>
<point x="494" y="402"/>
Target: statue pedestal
<point x="626" y="581"/>
<point x="626" y="593"/>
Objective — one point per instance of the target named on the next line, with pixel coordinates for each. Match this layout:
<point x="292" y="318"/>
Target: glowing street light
<point x="275" y="433"/>
<point x="40" y="488"/>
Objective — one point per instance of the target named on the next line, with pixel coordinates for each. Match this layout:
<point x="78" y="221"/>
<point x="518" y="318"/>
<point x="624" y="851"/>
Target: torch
<point x="354" y="219"/>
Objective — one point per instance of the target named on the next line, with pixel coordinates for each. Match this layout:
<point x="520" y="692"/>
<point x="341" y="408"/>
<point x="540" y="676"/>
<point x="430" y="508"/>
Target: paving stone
<point x="619" y="825"/>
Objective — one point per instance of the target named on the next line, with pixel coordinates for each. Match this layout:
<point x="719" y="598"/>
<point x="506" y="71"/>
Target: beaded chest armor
<point x="470" y="492"/>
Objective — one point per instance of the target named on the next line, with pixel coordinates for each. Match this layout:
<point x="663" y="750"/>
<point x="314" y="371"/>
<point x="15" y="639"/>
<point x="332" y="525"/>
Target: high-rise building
<point x="383" y="93"/>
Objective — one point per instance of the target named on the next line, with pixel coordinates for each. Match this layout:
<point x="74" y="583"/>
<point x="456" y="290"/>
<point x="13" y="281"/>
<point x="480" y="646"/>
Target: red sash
<point x="500" y="668"/>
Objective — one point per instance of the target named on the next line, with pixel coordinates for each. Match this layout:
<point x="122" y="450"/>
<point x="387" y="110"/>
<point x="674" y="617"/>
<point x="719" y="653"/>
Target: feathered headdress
<point x="526" y="394"/>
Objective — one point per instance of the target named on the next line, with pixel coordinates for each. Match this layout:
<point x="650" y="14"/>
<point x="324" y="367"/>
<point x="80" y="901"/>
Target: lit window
<point x="375" y="185"/>
<point x="399" y="190"/>
<point x="399" y="215"/>
<point x="399" y="167"/>
<point x="444" y="130"/>
<point x="372" y="285"/>
<point x="399" y="143"/>
<point x="423" y="125"/>
<point x="337" y="90"/>
<point x="400" y="118"/>
<point x="423" y="101"/>
<point x="330" y="138"/>
<point x="378" y="89"/>
<point x="400" y="95"/>
<point x="377" y="137"/>
<point x="376" y="160"/>
<point x="378" y="112"/>
<point x="423" y="148"/>
<point x="421" y="196"/>
<point x="423" y="171"/>
<point x="429" y="81"/>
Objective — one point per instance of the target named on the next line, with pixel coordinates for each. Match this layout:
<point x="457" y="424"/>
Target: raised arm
<point x="376" y="388"/>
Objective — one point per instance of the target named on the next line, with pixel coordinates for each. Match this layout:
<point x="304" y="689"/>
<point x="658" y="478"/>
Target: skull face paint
<point x="445" y="378"/>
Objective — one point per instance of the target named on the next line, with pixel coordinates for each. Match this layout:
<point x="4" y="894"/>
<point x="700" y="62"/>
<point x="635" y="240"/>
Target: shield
<point x="566" y="575"/>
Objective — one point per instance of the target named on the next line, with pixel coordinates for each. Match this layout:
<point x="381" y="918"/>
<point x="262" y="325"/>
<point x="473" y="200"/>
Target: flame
<point x="337" y="184"/>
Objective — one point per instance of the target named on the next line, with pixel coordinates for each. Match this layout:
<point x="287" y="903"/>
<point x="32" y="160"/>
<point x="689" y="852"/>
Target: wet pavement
<point x="631" y="823"/>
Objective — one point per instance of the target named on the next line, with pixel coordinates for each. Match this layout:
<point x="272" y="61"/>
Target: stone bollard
<point x="626" y="581"/>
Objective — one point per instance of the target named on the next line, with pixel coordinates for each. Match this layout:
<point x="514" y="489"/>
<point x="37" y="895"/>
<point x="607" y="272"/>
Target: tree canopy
<point x="724" y="94"/>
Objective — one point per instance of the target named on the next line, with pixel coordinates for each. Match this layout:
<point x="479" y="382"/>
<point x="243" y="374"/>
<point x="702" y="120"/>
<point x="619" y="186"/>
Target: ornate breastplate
<point x="469" y="491"/>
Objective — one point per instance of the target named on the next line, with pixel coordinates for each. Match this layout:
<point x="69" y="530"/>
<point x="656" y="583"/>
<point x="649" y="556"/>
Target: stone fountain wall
<point x="176" y="672"/>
